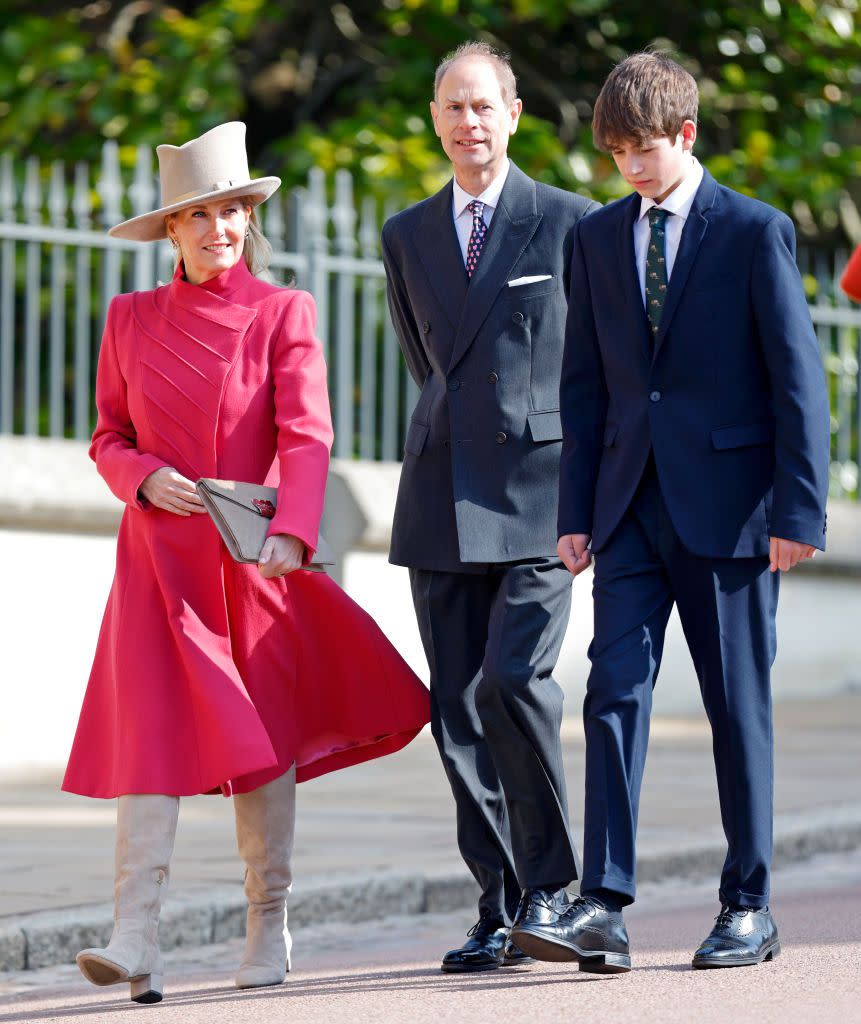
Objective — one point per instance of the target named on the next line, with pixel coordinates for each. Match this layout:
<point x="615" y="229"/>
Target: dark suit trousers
<point x="727" y="609"/>
<point x="492" y="639"/>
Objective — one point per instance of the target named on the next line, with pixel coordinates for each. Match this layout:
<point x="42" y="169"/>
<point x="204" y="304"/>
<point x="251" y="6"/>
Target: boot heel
<point x="148" y="988"/>
<point x="606" y="963"/>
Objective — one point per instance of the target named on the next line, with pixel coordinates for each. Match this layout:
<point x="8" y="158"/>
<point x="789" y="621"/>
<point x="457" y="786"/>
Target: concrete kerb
<point x="54" y="937"/>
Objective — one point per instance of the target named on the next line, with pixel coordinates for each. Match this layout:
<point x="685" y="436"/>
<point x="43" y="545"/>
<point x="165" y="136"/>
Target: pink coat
<point x="207" y="676"/>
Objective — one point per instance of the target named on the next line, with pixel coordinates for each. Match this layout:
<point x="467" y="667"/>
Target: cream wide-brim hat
<point x="213" y="166"/>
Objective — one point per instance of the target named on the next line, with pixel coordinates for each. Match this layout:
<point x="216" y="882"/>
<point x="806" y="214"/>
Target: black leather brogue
<point x="741" y="937"/>
<point x="483" y="950"/>
<point x="586" y="932"/>
<point x="513" y="956"/>
<point x="540" y="906"/>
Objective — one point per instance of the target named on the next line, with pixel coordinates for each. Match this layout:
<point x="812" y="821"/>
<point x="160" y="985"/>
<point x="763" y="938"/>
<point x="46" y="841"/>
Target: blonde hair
<point x="256" y="251"/>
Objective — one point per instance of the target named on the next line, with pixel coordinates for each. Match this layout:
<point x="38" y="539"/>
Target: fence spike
<point x="369" y="232"/>
<point x="142" y="191"/>
<point x="110" y="186"/>
<point x="81" y="199"/>
<point x="273" y="221"/>
<point x="7" y="188"/>
<point x="344" y="213"/>
<point x="32" y="192"/>
<point x="58" y="202"/>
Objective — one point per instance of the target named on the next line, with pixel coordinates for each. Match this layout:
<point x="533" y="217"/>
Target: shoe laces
<point x="587" y="903"/>
<point x="481" y="924"/>
<point x="728" y="913"/>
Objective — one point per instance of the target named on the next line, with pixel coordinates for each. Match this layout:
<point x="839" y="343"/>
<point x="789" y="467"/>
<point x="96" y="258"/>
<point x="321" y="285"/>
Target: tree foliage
<point x="347" y="85"/>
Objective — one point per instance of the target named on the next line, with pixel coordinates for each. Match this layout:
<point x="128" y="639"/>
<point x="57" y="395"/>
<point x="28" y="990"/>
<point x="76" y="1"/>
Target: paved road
<point x="388" y="971"/>
<point x="57" y="850"/>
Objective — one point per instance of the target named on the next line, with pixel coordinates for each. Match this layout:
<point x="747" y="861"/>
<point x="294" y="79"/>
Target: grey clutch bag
<point x="241" y="513"/>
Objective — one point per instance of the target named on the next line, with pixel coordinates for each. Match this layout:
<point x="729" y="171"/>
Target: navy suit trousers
<point x="727" y="609"/>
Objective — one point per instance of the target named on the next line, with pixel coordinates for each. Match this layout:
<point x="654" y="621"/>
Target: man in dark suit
<point x="695" y="456"/>
<point x="477" y="290"/>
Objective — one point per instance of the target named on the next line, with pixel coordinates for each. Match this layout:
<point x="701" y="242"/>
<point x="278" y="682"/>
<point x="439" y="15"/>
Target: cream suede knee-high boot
<point x="146" y="826"/>
<point x="264" y="832"/>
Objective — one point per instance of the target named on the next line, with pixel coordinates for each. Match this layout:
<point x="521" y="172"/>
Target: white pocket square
<point x="518" y="281"/>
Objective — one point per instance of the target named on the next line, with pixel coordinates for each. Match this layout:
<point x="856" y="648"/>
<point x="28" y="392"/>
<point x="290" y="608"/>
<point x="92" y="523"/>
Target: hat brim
<point x="150" y="227"/>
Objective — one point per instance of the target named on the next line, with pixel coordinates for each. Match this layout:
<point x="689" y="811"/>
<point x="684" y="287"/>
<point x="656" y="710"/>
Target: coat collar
<point x="439" y="251"/>
<point x="630" y="281"/>
<point x="217" y="298"/>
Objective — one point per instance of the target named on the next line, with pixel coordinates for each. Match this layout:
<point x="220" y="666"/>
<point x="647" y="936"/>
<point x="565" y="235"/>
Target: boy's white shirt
<point x="678" y="203"/>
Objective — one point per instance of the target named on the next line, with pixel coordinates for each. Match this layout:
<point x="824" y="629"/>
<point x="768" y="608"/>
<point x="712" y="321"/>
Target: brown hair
<point x="484" y="51"/>
<point x="646" y="96"/>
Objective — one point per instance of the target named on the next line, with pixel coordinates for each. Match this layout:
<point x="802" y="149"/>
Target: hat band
<point x="217" y="186"/>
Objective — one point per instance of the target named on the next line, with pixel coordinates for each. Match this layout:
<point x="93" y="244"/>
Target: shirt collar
<point x="490" y="196"/>
<point x="681" y="199"/>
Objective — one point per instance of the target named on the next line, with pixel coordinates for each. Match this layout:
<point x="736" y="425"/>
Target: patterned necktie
<point x="656" y="268"/>
<point x="477" y="236"/>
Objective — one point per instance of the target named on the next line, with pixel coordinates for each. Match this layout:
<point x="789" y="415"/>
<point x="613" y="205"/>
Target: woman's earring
<point x="246" y="234"/>
<point x="173" y="244"/>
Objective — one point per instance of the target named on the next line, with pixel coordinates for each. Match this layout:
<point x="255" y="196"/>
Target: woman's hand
<point x="281" y="553"/>
<point x="169" y="490"/>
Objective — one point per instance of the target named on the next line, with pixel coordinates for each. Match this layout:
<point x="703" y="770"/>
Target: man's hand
<point x="280" y="554"/>
<point x="573" y="549"/>
<point x="786" y="554"/>
<point x="169" y="490"/>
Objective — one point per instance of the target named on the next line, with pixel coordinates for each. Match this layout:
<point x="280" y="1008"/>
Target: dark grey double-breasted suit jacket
<point x="479" y="482"/>
<point x="476" y="518"/>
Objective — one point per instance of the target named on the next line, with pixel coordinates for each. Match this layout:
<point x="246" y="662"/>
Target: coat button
<point x="453" y="384"/>
<point x="501" y="437"/>
<point x="492" y="377"/>
<point x="655" y="396"/>
<point x="518" y="318"/>
<point x="426" y="326"/>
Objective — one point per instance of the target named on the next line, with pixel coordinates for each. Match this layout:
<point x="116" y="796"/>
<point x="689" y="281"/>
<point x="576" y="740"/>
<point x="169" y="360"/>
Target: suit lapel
<point x="515" y="221"/>
<point x="692" y="235"/>
<point x="439" y="251"/>
<point x="632" y="297"/>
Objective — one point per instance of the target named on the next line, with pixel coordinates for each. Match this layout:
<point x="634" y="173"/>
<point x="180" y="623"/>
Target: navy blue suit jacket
<point x="479" y="482"/>
<point x="732" y="403"/>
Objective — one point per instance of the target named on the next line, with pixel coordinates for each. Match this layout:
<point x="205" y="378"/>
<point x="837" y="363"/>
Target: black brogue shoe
<point x="513" y="956"/>
<point x="540" y="906"/>
<point x="588" y="933"/>
<point x="483" y="950"/>
<point x="741" y="937"/>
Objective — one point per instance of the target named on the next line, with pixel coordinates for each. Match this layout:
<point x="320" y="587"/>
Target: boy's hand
<point x="573" y="549"/>
<point x="786" y="554"/>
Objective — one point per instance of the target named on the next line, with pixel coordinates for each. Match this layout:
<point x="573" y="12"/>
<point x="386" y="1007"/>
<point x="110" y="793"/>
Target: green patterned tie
<point x="656" y="268"/>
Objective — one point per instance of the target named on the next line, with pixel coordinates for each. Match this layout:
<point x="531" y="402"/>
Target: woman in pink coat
<point x="212" y="675"/>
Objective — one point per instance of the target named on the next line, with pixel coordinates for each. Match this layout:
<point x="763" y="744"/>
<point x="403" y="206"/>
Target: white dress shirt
<point x="462" y="216"/>
<point x="678" y="203"/>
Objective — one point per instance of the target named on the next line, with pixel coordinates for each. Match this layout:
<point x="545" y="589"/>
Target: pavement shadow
<point x="409" y="980"/>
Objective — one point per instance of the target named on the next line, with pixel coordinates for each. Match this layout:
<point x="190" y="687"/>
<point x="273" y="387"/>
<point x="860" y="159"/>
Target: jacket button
<point x="655" y="396"/>
<point x="501" y="437"/>
<point x="492" y="377"/>
<point x="426" y="326"/>
<point x="453" y="384"/>
<point x="518" y="318"/>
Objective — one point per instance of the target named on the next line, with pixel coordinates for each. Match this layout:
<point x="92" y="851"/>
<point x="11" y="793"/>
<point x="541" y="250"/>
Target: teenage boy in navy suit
<point x="695" y="459"/>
